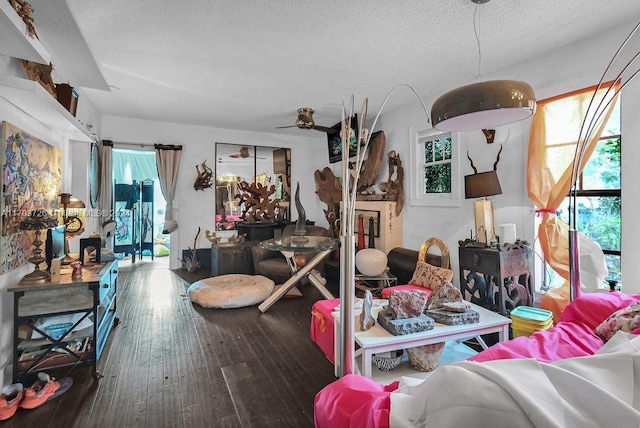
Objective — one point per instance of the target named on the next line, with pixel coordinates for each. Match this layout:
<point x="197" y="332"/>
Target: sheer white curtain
<point x="168" y="164"/>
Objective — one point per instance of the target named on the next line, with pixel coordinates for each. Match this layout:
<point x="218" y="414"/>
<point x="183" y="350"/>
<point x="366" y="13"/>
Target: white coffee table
<point x="377" y="339"/>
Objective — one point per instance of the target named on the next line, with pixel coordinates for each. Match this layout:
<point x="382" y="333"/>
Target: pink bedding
<point x="574" y="335"/>
<point x="354" y="401"/>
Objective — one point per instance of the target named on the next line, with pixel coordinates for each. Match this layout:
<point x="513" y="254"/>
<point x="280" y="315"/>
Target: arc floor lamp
<point x="471" y="107"/>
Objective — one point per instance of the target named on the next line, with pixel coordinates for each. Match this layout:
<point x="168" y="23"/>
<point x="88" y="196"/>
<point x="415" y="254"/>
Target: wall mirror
<point x="236" y="163"/>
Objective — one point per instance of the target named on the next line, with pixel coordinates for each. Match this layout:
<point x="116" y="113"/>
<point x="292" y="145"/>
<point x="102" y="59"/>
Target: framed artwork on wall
<point x="334" y="141"/>
<point x="31" y="180"/>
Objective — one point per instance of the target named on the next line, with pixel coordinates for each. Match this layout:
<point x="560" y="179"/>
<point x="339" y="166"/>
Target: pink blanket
<point x="354" y="401"/>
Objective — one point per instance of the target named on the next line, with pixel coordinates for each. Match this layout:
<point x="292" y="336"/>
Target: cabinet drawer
<point x="232" y="258"/>
<point x="486" y="262"/>
<point x="108" y="282"/>
<point x="54" y="301"/>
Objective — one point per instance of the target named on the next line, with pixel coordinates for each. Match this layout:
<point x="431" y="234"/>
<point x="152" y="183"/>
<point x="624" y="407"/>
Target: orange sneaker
<point x="38" y="393"/>
<point x="10" y="400"/>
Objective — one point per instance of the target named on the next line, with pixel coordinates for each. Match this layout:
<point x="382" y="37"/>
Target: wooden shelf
<point x="15" y="40"/>
<point x="74" y="335"/>
<point x="34" y="100"/>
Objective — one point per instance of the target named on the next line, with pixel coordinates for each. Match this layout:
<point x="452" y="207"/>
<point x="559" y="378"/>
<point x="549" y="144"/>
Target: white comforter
<point x="602" y="390"/>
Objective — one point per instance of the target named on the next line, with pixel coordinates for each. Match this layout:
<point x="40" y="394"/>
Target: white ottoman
<point x="230" y="291"/>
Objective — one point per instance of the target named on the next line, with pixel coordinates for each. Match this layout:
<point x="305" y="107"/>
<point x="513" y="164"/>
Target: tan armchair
<point x="273" y="264"/>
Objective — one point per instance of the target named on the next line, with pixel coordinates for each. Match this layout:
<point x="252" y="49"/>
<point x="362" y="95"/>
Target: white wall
<point x="193" y="209"/>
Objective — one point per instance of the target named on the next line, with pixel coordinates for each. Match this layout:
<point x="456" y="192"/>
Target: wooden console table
<point x="91" y="298"/>
<point x="496" y="279"/>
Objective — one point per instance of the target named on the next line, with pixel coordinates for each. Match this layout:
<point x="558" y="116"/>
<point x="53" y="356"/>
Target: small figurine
<point x="77" y="269"/>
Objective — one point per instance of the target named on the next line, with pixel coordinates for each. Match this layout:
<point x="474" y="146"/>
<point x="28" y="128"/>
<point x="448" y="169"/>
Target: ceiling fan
<point x="243" y="153"/>
<point x="305" y="121"/>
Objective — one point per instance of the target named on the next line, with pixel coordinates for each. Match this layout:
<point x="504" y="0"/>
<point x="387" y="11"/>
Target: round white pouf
<point x="371" y="262"/>
<point x="230" y="291"/>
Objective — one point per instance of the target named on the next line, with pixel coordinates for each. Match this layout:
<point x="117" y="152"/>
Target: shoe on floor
<point x="38" y="393"/>
<point x="10" y="400"/>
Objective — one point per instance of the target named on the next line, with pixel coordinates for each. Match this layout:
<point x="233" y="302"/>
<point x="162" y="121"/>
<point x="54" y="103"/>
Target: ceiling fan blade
<point x="281" y="127"/>
<point x="325" y="129"/>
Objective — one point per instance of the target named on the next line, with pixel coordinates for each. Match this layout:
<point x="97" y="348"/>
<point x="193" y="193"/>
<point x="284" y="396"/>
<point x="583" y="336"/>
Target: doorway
<point x="138" y="204"/>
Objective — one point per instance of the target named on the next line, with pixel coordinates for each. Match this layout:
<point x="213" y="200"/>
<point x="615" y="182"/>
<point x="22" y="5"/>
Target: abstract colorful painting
<point x="31" y="179"/>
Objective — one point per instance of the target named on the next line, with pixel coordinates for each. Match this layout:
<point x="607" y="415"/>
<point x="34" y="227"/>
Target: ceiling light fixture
<point x="483" y="105"/>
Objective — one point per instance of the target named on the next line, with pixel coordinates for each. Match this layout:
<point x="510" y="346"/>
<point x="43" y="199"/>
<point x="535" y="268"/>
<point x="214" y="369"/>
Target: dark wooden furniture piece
<point x="259" y="231"/>
<point x="497" y="279"/>
<point x="232" y="258"/>
<point x="93" y="297"/>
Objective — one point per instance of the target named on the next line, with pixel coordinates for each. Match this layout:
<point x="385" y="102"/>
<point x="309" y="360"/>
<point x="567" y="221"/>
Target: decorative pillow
<point x="430" y="276"/>
<point x="626" y="319"/>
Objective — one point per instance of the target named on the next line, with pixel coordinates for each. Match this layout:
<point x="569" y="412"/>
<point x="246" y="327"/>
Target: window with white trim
<point x="435" y="161"/>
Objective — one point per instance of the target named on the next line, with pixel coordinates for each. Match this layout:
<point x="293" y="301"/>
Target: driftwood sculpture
<point x="301" y="223"/>
<point x="40" y="73"/>
<point x="329" y="191"/>
<point x="204" y="179"/>
<point x="212" y="237"/>
<point x="257" y="203"/>
<point x="239" y="238"/>
<point x="394" y="188"/>
<point x="25" y="10"/>
<point x="371" y="165"/>
<point x="191" y="263"/>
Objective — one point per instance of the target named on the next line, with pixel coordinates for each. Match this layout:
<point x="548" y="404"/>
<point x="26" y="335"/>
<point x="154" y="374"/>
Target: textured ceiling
<point x="250" y="64"/>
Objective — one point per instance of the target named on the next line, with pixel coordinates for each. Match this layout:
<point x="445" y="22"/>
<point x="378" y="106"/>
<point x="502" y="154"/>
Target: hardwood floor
<point x="170" y="363"/>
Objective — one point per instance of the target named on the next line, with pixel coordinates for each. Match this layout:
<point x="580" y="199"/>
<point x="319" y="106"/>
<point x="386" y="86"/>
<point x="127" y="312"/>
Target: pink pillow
<point x="593" y="308"/>
<point x="430" y="276"/>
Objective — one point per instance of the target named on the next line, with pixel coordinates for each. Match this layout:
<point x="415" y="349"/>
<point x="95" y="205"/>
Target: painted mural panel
<point x="31" y="179"/>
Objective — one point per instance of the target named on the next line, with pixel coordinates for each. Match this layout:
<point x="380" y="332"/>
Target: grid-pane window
<point x="598" y="202"/>
<point x="437" y="165"/>
<point x="434" y="178"/>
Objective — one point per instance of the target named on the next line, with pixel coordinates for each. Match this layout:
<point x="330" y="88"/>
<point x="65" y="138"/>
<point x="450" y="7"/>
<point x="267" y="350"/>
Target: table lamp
<point x="37" y="220"/>
<point x="481" y="185"/>
<point x="73" y="217"/>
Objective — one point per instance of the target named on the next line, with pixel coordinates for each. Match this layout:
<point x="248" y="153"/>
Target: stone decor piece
<point x="407" y="303"/>
<point x="399" y="327"/>
<point x="425" y="358"/>
<point x="366" y="319"/>
<point x="456" y="306"/>
<point x="443" y="294"/>
<point x="443" y="316"/>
